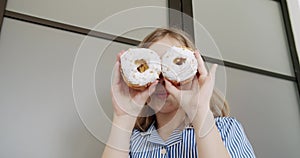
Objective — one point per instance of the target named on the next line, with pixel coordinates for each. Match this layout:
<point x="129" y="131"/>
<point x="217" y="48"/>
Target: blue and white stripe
<point x="182" y="144"/>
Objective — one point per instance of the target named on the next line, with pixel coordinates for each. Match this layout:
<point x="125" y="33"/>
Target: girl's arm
<point x="195" y="102"/>
<point x="119" y="140"/>
<point x="209" y="141"/>
<point x="127" y="105"/>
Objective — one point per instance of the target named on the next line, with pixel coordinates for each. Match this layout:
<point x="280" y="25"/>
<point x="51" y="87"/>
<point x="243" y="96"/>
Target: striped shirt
<point x="182" y="144"/>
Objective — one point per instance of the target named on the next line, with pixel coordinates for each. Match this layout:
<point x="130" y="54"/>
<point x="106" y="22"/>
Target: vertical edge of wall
<point x="2" y="10"/>
<point x="291" y="43"/>
<point x="294" y="12"/>
<point x="181" y="16"/>
<point x="187" y="18"/>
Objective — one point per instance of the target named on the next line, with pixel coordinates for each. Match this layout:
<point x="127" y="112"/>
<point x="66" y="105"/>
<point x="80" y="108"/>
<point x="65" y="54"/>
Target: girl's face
<point x="161" y="101"/>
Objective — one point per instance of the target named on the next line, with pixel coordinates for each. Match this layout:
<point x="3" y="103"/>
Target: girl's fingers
<point x="119" y="54"/>
<point x="195" y="84"/>
<point x="209" y="81"/>
<point x="172" y="89"/>
<point x="152" y="88"/>
<point x="201" y="67"/>
<point x="143" y="96"/>
<point x="212" y="71"/>
<point x="117" y="75"/>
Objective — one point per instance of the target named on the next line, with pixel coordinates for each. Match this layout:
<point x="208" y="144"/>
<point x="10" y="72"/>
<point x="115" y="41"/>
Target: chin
<point x="168" y="108"/>
<point x="163" y="105"/>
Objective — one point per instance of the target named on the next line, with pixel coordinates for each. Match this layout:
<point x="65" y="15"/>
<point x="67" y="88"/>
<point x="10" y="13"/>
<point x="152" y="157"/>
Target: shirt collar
<point x="154" y="137"/>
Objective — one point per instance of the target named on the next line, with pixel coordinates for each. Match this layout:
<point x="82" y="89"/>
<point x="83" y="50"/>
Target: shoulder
<point x="228" y="124"/>
<point x="234" y="137"/>
<point x="230" y="128"/>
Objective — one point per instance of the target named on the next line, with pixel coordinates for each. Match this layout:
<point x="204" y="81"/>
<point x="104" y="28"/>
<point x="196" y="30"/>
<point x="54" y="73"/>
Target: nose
<point x="161" y="79"/>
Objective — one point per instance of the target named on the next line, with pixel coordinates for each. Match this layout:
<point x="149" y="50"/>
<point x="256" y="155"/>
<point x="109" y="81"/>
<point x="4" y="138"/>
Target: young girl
<point x="189" y="120"/>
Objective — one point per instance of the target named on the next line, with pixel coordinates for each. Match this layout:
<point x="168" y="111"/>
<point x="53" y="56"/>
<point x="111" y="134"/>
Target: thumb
<point x="172" y="89"/>
<point x="143" y="96"/>
<point x="212" y="71"/>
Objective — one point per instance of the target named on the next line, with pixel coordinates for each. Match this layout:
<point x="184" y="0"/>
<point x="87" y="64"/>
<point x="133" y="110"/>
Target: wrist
<point x="120" y="132"/>
<point x="199" y="113"/>
<point x="203" y="123"/>
<point x="125" y="122"/>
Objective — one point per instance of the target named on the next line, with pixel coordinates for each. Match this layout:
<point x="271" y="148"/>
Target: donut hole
<point x="179" y="61"/>
<point x="142" y="65"/>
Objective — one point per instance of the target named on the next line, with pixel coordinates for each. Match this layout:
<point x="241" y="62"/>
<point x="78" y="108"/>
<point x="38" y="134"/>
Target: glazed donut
<point x="179" y="65"/>
<point x="140" y="67"/>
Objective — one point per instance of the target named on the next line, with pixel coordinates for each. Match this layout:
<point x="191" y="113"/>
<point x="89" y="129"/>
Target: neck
<point x="167" y="123"/>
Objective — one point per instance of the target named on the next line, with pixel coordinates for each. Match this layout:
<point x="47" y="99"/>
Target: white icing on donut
<point x="130" y="68"/>
<point x="181" y="71"/>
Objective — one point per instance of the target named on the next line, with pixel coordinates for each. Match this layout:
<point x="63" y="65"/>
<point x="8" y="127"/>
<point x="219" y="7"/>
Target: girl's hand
<point x="127" y="101"/>
<point x="196" y="100"/>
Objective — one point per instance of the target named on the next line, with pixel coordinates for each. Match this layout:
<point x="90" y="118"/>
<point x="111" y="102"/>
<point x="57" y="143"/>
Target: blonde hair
<point x="218" y="104"/>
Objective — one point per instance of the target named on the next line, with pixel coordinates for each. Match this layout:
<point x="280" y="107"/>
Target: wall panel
<point x="38" y="116"/>
<point x="247" y="32"/>
<point x="90" y="13"/>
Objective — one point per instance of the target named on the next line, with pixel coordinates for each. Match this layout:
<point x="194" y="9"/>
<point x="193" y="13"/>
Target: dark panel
<point x="187" y="18"/>
<point x="2" y="9"/>
<point x="175" y="16"/>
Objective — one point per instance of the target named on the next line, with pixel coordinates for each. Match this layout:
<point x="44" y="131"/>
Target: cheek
<point x="186" y="86"/>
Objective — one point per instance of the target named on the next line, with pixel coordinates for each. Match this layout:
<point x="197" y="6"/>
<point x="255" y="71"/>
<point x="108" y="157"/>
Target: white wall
<point x="246" y="32"/>
<point x="38" y="115"/>
<point x="253" y="33"/>
<point x="92" y="13"/>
